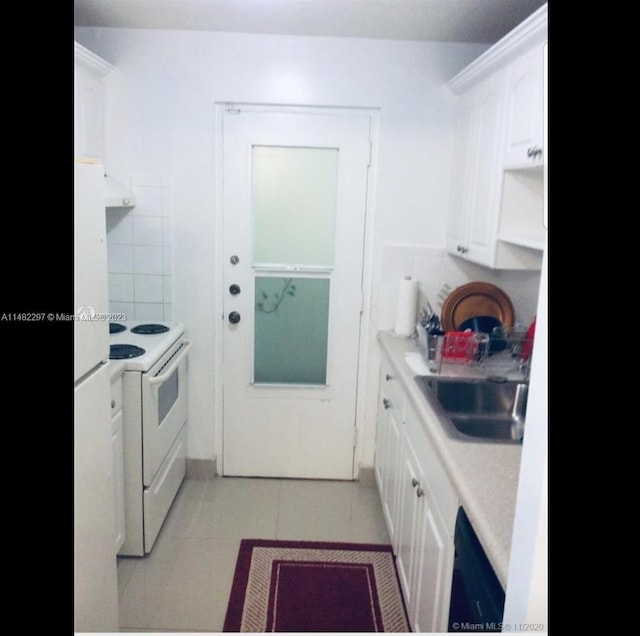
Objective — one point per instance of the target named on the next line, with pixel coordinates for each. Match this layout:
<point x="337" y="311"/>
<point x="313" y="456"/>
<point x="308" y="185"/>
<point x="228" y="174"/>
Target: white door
<point x="295" y="186"/>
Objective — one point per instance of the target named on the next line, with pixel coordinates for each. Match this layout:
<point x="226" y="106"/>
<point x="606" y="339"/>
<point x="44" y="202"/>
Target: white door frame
<point x="218" y="319"/>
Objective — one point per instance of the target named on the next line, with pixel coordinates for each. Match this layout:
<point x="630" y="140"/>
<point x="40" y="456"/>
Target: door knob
<point x="234" y="289"/>
<point x="234" y="317"/>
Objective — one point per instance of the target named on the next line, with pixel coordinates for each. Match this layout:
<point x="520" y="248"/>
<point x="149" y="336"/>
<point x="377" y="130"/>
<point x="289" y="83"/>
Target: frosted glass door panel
<point x="294" y="205"/>
<point x="291" y="330"/>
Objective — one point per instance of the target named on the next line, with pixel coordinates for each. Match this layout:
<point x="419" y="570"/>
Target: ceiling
<point x="478" y="21"/>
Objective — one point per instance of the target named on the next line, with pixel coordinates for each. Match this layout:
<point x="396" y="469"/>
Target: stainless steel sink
<point x="478" y="410"/>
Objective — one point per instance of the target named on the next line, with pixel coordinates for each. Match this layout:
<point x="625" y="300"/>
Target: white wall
<point x="160" y="123"/>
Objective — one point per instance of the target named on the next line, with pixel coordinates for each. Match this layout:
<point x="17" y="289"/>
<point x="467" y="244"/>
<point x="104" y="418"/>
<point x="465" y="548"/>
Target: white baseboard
<point x="367" y="476"/>
<point x="202" y="468"/>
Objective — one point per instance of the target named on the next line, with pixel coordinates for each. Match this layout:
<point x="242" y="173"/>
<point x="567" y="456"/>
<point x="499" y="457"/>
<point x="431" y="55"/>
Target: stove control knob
<point x="234" y="289"/>
<point x="234" y="317"/>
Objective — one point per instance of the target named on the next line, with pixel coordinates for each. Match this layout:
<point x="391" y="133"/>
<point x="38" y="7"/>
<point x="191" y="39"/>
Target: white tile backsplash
<point x="167" y="230"/>
<point x="167" y="260"/>
<point x="147" y="259"/>
<point x="119" y="258"/>
<point x="148" y="289"/>
<point x="149" y="311"/>
<point x="522" y="288"/>
<point x="433" y="268"/>
<point x="127" y="309"/>
<point x="147" y="230"/>
<point x="121" y="288"/>
<point x="140" y="251"/>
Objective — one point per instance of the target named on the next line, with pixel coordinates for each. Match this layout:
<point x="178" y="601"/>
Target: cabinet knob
<point x="462" y="249"/>
<point x="388" y="377"/>
<point x="419" y="492"/>
<point x="387" y="403"/>
<point x="534" y="152"/>
<point x="113" y="404"/>
<point x="415" y="482"/>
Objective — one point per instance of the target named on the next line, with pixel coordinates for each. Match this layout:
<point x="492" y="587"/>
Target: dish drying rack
<point x="498" y="353"/>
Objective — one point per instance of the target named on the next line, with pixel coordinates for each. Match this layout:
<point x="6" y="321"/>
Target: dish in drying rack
<point x="476" y="299"/>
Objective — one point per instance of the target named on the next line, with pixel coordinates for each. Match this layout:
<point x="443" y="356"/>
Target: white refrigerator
<point x="95" y="572"/>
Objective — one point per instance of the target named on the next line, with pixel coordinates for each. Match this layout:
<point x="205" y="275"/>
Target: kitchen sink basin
<point x="479" y="410"/>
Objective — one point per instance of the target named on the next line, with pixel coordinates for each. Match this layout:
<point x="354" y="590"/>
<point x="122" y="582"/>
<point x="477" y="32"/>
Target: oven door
<point x="164" y="407"/>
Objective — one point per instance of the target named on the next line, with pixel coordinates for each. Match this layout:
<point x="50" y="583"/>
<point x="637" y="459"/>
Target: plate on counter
<point x="476" y="299"/>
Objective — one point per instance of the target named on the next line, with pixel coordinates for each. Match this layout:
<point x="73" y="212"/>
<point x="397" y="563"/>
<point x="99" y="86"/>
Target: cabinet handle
<point x="534" y="152"/>
<point x="388" y="377"/>
<point x="461" y="249"/>
<point x="113" y="403"/>
<point x="387" y="403"/>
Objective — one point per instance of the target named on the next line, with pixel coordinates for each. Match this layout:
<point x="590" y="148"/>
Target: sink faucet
<point x="523" y="361"/>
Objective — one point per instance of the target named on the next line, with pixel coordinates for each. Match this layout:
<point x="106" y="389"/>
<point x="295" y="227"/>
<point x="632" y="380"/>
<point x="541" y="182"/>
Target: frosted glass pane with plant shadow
<point x="291" y="330"/>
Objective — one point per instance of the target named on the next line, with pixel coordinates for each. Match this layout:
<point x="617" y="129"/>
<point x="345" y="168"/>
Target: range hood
<point x="117" y="195"/>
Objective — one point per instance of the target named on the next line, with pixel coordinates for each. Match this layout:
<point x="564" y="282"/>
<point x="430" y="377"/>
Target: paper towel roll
<point x="406" y="308"/>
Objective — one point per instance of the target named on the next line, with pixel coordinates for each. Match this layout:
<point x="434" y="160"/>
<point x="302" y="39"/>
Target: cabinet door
<point x="380" y="461"/>
<point x="88" y="114"/>
<point x="463" y="162"/>
<point x="118" y="478"/>
<point x="392" y="486"/>
<point x="475" y="203"/>
<point x="434" y="572"/>
<point x="88" y="106"/>
<point x="410" y="504"/>
<point x="387" y="447"/>
<point x="524" y="138"/>
<point x="484" y="202"/>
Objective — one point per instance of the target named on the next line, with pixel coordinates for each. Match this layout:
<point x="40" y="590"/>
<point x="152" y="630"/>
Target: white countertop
<point x="485" y="475"/>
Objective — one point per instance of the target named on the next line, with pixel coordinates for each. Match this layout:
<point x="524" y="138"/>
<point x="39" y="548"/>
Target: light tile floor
<point x="184" y="583"/>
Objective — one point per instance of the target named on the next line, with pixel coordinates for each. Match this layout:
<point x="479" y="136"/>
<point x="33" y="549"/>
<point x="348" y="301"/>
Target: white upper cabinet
<point x="524" y="143"/>
<point x="88" y="106"/>
<point x="496" y="204"/>
<point x="478" y="156"/>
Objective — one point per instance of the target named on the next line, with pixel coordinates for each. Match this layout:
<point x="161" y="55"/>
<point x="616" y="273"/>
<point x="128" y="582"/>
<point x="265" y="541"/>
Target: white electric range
<point x="154" y="412"/>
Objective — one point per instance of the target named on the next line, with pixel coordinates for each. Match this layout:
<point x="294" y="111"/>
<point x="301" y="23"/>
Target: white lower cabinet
<point x="433" y="505"/>
<point x="420" y="507"/>
<point x="390" y="414"/>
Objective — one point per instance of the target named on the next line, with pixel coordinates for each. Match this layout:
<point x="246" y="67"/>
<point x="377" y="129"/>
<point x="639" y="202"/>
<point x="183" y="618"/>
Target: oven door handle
<point x="159" y="379"/>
